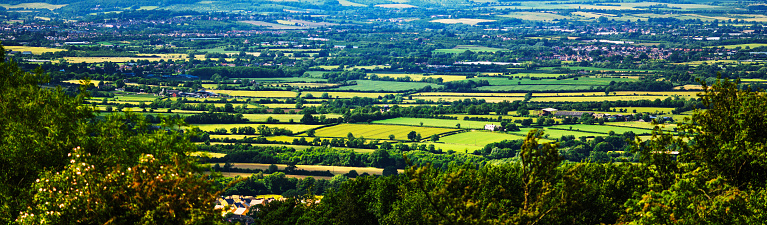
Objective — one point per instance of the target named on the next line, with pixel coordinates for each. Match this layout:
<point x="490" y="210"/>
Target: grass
<point x="742" y="46"/>
<point x="478" y="138"/>
<point x="435" y="122"/>
<point x="552" y="134"/>
<point x="456" y="98"/>
<point x="34" y="50"/>
<point x="33" y="5"/>
<point x="378" y="131"/>
<point x="317" y="94"/>
<point x="536" y="16"/>
<point x="610" y="98"/>
<point x="463" y="21"/>
<point x="373" y="85"/>
<point x="292" y="127"/>
<point x="458" y="148"/>
<point x="463" y="48"/>
<point x="348" y="3"/>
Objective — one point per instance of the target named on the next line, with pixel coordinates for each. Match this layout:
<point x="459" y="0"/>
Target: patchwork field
<point x="33" y="5"/>
<point x="463" y="21"/>
<point x="34" y="50"/>
<point x="335" y="94"/>
<point x="333" y="169"/>
<point x="259" y="94"/>
<point x="418" y="77"/>
<point x="478" y="138"/>
<point x="377" y="131"/>
<point x="373" y="85"/>
<point x="463" y="48"/>
<point x="396" y="6"/>
<point x="435" y="122"/>
<point x="536" y="16"/>
<point x="292" y="127"/>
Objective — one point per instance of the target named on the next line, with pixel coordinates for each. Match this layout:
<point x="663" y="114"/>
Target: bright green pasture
<point x="435" y="122"/>
<point x="478" y="138"/>
<point x="292" y="127"/>
<point x="378" y="131"/>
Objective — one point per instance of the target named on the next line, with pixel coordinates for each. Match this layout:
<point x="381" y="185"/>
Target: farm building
<point x="548" y="111"/>
<point x="572" y="113"/>
<point x="492" y="127"/>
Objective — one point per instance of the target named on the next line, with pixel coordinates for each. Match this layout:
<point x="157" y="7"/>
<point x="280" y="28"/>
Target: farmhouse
<point x="492" y="127"/>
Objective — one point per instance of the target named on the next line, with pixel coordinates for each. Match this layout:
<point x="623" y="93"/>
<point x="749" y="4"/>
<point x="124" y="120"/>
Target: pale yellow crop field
<point x="536" y="16"/>
<point x="34" y="50"/>
<point x="292" y="127"/>
<point x="418" y="77"/>
<point x="377" y="131"/>
<point x="456" y="98"/>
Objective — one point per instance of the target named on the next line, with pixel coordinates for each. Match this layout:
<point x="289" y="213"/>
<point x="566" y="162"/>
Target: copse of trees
<point x="88" y="170"/>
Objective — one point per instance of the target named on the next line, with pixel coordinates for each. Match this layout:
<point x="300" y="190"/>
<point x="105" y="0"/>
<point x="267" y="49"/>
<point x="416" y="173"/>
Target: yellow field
<point x="418" y="77"/>
<point x="463" y="21"/>
<point x="94" y="82"/>
<point x="33" y="5"/>
<point x="292" y="127"/>
<point x="460" y="94"/>
<point x="333" y="169"/>
<point x="210" y="154"/>
<point x="317" y="94"/>
<point x="456" y="98"/>
<point x="34" y="50"/>
<point x="288" y="106"/>
<point x="596" y="99"/>
<point x="643" y="110"/>
<point x="376" y="131"/>
<point x="259" y="94"/>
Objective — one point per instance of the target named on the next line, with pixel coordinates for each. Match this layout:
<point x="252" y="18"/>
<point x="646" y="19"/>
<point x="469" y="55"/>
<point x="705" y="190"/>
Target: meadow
<point x="33" y="5"/>
<point x="374" y="85"/>
<point x="259" y="94"/>
<point x="478" y="138"/>
<point x="336" y="94"/>
<point x="435" y="122"/>
<point x="537" y="16"/>
<point x="463" y="48"/>
<point x="463" y="21"/>
<point x="282" y="117"/>
<point x="378" y="131"/>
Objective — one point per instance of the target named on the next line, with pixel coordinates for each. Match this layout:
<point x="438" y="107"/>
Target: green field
<point x="478" y="138"/>
<point x="463" y="48"/>
<point x="282" y="117"/>
<point x="373" y="85"/>
<point x="435" y="122"/>
<point x="378" y="131"/>
<point x="599" y="129"/>
<point x="259" y="94"/>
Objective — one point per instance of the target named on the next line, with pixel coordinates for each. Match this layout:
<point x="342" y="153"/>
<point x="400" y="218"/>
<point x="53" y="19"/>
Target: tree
<point x="434" y="138"/>
<point x="143" y="170"/>
<point x="412" y="135"/>
<point x="391" y="137"/>
<point x="307" y="119"/>
<point x="310" y="133"/>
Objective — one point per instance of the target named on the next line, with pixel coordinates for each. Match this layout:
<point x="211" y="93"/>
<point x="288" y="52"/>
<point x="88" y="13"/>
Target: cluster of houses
<point x="239" y="206"/>
<point x="197" y="94"/>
